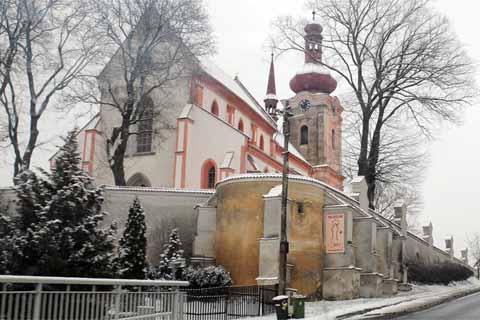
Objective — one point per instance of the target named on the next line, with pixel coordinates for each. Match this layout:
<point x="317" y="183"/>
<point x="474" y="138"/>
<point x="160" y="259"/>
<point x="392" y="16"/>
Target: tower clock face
<point x="305" y="104"/>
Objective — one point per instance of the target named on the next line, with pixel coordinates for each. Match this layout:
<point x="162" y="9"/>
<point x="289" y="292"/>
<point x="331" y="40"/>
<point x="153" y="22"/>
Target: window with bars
<point x="211" y="177"/>
<point x="145" y="126"/>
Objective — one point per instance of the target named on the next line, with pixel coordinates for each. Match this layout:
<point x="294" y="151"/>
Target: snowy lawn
<point x="329" y="310"/>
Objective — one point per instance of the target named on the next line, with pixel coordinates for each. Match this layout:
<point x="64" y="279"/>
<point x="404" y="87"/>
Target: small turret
<point x="271" y="99"/>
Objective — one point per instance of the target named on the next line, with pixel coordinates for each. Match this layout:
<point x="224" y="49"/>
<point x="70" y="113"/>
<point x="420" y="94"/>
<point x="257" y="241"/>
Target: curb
<point x="363" y="311"/>
<point x="410" y="310"/>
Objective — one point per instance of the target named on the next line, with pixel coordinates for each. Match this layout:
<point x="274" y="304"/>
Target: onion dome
<point x="313" y="77"/>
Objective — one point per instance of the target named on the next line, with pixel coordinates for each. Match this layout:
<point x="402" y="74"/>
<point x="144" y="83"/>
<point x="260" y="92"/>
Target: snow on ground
<point x="329" y="310"/>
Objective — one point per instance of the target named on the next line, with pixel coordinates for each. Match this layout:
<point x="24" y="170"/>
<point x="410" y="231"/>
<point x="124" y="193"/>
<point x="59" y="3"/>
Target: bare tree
<point x="49" y="45"/>
<point x="153" y="43"/>
<point x="11" y="28"/>
<point x="402" y="62"/>
<point x="400" y="170"/>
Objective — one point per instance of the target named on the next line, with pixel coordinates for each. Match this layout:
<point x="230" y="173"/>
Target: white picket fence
<point x="54" y="298"/>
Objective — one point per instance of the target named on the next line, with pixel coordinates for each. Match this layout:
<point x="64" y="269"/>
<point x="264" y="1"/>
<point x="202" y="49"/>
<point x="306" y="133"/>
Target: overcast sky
<point x="452" y="187"/>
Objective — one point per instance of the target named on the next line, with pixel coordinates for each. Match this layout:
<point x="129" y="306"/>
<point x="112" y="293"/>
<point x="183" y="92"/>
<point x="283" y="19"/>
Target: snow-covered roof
<point x="274" y="192"/>
<point x="313" y="68"/>
<point x="186" y="112"/>
<point x="235" y="86"/>
<point x="271" y="96"/>
<point x="159" y="189"/>
<point x="227" y="161"/>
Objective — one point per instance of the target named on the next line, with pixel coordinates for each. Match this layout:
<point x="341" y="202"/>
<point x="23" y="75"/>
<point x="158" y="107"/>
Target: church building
<point x="220" y="157"/>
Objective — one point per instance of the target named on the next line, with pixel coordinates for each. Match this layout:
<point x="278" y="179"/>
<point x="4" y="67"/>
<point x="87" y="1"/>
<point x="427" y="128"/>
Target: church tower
<point x="316" y="126"/>
<point x="271" y="99"/>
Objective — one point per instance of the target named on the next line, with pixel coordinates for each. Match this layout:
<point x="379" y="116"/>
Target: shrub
<point x="207" y="277"/>
<point x="442" y="273"/>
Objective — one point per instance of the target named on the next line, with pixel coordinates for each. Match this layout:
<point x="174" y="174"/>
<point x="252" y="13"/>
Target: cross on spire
<point x="313" y="14"/>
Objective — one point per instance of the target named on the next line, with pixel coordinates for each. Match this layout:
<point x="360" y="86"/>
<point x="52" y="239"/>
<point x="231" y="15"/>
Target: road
<point x="466" y="308"/>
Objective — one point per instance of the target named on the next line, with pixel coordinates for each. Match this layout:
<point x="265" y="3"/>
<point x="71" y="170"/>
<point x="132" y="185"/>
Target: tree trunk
<point x="118" y="171"/>
<point x="118" y="158"/>
<point x="22" y="163"/>
<point x="371" y="174"/>
<point x="363" y="166"/>
<point x="118" y="167"/>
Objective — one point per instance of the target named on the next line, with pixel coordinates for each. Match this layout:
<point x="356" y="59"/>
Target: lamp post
<point x="284" y="247"/>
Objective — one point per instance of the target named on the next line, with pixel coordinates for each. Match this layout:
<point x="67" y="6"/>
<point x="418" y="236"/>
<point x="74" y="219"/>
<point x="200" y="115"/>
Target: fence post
<point x="118" y="292"/>
<point x="226" y="299"/>
<point x="37" y="304"/>
<point x="177" y="307"/>
<point x="260" y="301"/>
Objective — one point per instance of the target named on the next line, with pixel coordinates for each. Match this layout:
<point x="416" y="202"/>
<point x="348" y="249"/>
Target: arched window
<point x="261" y="144"/>
<point x="240" y="125"/>
<point x="209" y="174"/>
<point x="198" y="97"/>
<point x="145" y="125"/>
<point x="214" y="109"/>
<point x="333" y="139"/>
<point x="304" y="135"/>
<point x="211" y="178"/>
<point x="139" y="180"/>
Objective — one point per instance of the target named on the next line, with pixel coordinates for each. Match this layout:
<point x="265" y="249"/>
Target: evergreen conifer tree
<point x="57" y="229"/>
<point x="133" y="244"/>
<point x="171" y="252"/>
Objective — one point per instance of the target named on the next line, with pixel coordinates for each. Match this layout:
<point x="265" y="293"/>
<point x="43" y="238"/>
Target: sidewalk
<point x="377" y="308"/>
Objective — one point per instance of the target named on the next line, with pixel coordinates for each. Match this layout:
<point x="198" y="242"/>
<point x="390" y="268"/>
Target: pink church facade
<point x="218" y="129"/>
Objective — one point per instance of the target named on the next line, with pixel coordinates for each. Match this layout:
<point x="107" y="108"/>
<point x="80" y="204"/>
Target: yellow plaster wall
<point x="306" y="239"/>
<point x="240" y="226"/>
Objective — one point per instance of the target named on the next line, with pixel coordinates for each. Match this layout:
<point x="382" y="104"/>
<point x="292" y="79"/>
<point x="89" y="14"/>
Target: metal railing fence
<point x="225" y="303"/>
<point x="52" y="298"/>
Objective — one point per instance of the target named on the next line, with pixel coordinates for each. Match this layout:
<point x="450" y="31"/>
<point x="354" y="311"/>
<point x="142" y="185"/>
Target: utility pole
<point x="282" y="281"/>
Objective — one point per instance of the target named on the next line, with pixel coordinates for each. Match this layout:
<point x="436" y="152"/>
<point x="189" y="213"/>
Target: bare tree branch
<point x="152" y="44"/>
<point x="51" y="44"/>
<point x="403" y="65"/>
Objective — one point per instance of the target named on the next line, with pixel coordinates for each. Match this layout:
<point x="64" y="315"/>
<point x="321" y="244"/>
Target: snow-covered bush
<point x="132" y="248"/>
<point x="442" y="273"/>
<point x="172" y="251"/>
<point x="5" y="244"/>
<point x="207" y="277"/>
<point x="57" y="230"/>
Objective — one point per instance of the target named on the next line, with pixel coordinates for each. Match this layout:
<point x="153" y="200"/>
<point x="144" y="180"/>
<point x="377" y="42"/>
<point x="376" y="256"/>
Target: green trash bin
<point x="298" y="306"/>
<point x="281" y="307"/>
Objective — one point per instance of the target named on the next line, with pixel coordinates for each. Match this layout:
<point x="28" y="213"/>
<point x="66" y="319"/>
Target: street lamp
<point x="286" y="113"/>
<point x="282" y="281"/>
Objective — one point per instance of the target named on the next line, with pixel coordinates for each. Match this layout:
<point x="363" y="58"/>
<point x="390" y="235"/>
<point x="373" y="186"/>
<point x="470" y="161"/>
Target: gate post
<point x="178" y="304"/>
<point x="37" y="304"/>
<point x="118" y="292"/>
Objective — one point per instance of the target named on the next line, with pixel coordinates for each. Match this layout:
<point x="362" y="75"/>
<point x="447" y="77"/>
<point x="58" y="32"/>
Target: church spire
<point x="271" y="89"/>
<point x="271" y="100"/>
